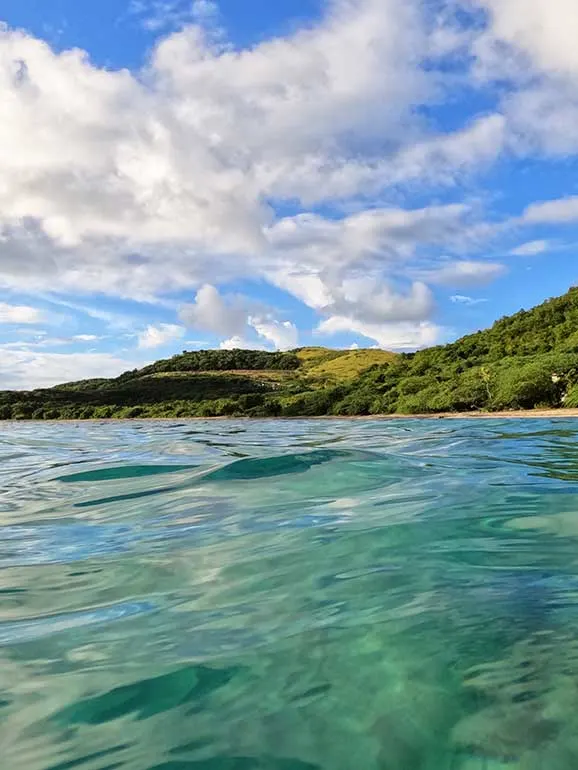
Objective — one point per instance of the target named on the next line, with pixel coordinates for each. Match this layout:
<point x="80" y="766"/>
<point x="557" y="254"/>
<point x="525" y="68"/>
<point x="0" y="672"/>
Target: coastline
<point x="507" y="415"/>
<point x="512" y="414"/>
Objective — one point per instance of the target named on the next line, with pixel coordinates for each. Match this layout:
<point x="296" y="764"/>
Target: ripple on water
<point x="294" y="595"/>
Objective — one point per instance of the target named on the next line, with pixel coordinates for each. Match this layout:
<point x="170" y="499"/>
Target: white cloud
<point x="282" y="334"/>
<point x="393" y="336"/>
<point x="466" y="273"/>
<point x="561" y="211"/>
<point x="156" y="336"/>
<point x="213" y="313"/>
<point x="542" y="118"/>
<point x="19" y="314"/>
<point x="532" y="44"/>
<point x="83" y="192"/>
<point x="378" y="310"/>
<point x="370" y="237"/>
<point x="462" y="299"/>
<point x="240" y="343"/>
<point x="236" y="317"/>
<point x="543" y="32"/>
<point x="445" y="158"/>
<point x="380" y="304"/>
<point x="350" y="268"/>
<point x="86" y="338"/>
<point x="29" y="369"/>
<point x="167" y="180"/>
<point x="530" y="249"/>
<point x="90" y="203"/>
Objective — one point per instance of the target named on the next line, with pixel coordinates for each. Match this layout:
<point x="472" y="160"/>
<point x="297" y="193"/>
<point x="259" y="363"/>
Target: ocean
<point x="289" y="595"/>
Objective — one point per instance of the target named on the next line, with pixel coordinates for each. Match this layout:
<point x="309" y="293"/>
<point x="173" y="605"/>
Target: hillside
<point x="200" y="384"/>
<point x="340" y="365"/>
<point x="524" y="361"/>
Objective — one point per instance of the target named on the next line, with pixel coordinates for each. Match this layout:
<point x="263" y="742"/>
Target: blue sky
<point x="391" y="173"/>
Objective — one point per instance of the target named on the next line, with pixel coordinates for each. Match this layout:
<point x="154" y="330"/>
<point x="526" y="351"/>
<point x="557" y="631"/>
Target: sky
<point x="349" y="173"/>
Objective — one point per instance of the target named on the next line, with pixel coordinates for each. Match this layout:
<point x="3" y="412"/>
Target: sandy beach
<point x="525" y="414"/>
<point x="510" y="415"/>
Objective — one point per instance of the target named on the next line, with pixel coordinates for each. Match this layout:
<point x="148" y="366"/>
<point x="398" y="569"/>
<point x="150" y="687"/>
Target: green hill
<point x="340" y="365"/>
<point x="204" y="383"/>
<point x="524" y="361"/>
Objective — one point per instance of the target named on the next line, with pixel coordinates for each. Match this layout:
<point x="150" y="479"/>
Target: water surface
<point x="304" y="595"/>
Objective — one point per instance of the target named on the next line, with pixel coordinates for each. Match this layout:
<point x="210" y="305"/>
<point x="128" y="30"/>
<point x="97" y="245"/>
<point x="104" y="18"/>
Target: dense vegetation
<point x="219" y="361"/>
<point x="524" y="361"/>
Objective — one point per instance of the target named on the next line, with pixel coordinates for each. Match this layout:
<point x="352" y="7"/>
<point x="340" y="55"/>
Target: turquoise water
<point x="304" y="595"/>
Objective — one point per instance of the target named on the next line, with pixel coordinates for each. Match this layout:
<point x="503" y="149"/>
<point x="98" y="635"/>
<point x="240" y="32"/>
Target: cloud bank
<point x="306" y="163"/>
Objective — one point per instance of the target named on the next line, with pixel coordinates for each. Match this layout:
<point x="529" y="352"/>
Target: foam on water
<point x="304" y="595"/>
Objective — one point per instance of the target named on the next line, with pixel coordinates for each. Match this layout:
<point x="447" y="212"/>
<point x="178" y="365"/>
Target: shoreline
<point x="508" y="415"/>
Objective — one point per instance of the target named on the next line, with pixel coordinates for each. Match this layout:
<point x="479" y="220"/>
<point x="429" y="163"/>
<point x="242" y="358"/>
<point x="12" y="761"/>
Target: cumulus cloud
<point x="350" y="267"/>
<point x="236" y="317"/>
<point x="532" y="44"/>
<point x="214" y="313"/>
<point x="101" y="165"/>
<point x="156" y="336"/>
<point x="543" y="32"/>
<point x="19" y="314"/>
<point x="240" y="343"/>
<point x="282" y="334"/>
<point x="168" y="181"/>
<point x="343" y="268"/>
<point x="393" y="336"/>
<point x="100" y="168"/>
<point x="382" y="304"/>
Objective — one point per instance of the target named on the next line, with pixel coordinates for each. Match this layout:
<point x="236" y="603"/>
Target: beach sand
<point x="560" y="414"/>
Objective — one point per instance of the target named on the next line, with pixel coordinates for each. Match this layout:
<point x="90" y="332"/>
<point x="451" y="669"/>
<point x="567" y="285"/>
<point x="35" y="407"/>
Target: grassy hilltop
<point x="524" y="361"/>
<point x="206" y="383"/>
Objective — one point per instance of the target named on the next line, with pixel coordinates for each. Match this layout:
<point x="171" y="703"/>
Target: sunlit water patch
<point x="303" y="595"/>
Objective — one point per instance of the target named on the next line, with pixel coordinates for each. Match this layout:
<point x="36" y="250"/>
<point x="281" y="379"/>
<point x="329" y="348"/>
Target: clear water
<point x="289" y="595"/>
